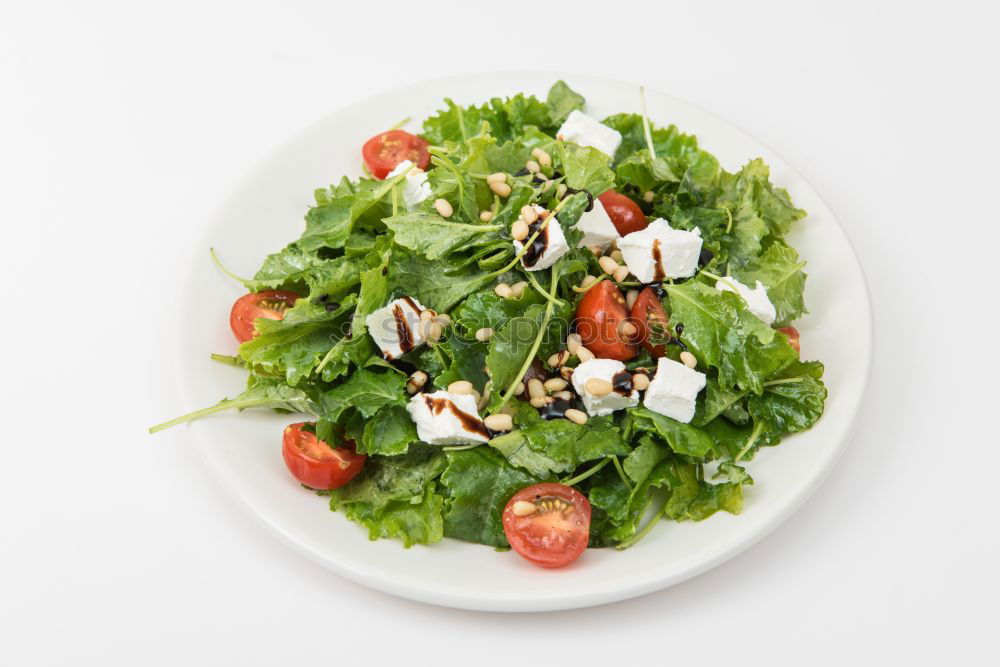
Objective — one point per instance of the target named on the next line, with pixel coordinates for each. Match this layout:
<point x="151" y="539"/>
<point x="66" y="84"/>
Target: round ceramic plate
<point x="266" y="211"/>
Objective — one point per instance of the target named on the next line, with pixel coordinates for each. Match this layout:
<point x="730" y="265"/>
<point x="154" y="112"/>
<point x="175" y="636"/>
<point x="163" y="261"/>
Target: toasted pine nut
<point x="426" y="315"/>
<point x="501" y="189"/>
<point x="535" y="388"/>
<point x="598" y="387"/>
<point x="648" y="196"/>
<point x="519" y="389"/>
<point x="486" y="216"/>
<point x="539" y="401"/>
<point x="617" y="256"/>
<point x="583" y="354"/>
<point x="608" y="265"/>
<point x="523" y="508"/>
<point x="688" y="359"/>
<point x="498" y="177"/>
<point x="479" y="399"/>
<point x="627" y="329"/>
<point x="519" y="230"/>
<point x="543" y="158"/>
<point x="587" y="280"/>
<point x="573" y="343"/>
<point x="443" y="207"/>
<point x="503" y="289"/>
<point x="595" y="250"/>
<point x="435" y="331"/>
<point x="554" y="384"/>
<point x="461" y="387"/>
<point x="630" y="298"/>
<point x="561" y="190"/>
<point x="640" y="381"/>
<point x="424" y="328"/>
<point x="517" y="289"/>
<point x="499" y="422"/>
<point x="614" y="244"/>
<point x="484" y="334"/>
<point x="444" y="319"/>
<point x="558" y="359"/>
<point x="416" y="382"/>
<point x="532" y="166"/>
<point x="563" y="395"/>
<point x="621" y="273"/>
<point x="576" y="416"/>
<point x="566" y="373"/>
<point x="529" y="214"/>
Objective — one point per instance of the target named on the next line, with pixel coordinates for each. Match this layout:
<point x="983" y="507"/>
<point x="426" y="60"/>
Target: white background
<point x="123" y="126"/>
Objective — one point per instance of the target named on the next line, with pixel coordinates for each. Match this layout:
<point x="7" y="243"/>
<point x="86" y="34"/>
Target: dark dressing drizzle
<point x="658" y="274"/>
<point x="621" y="382"/>
<point x="557" y="409"/>
<point x="590" y="198"/>
<point x="469" y="422"/>
<point x="706" y="256"/>
<point x="402" y="330"/>
<point x="538" y="246"/>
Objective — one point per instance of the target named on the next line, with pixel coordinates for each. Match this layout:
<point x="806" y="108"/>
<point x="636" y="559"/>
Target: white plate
<point x="265" y="212"/>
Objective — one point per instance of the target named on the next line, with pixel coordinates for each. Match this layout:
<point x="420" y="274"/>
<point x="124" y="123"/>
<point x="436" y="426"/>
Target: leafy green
<point x="434" y="237"/>
<point x="366" y="391"/>
<point x="485" y="309"/>
<point x="780" y="269"/>
<point x="682" y="438"/>
<point x="437" y="284"/>
<point x="562" y="100"/>
<point x="416" y="521"/>
<point x="389" y="433"/>
<point x="585" y="168"/>
<point x="559" y="445"/>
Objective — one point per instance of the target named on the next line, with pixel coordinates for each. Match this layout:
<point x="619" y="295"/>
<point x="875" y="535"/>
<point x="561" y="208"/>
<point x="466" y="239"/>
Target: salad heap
<point x="527" y="327"/>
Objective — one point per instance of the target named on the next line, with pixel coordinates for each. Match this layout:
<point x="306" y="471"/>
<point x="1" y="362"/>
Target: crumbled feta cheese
<point x="659" y="252"/>
<point x="395" y="327"/>
<point x="547" y="248"/>
<point x="415" y="185"/>
<point x="602" y="369"/>
<point x="757" y="299"/>
<point x="597" y="227"/>
<point x="674" y="389"/>
<point x="445" y="418"/>
<point x="586" y="131"/>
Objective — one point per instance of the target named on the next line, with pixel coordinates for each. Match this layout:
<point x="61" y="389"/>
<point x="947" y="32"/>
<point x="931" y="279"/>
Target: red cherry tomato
<point x="271" y="304"/>
<point x="556" y="531"/>
<point x="317" y="464"/>
<point x="648" y="316"/>
<point x="793" y="337"/>
<point x="598" y="317"/>
<point x="625" y="214"/>
<point x="384" y="152"/>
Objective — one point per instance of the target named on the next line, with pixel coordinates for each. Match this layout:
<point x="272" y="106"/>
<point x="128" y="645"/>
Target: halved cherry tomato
<point x="600" y="313"/>
<point x="271" y="304"/>
<point x="625" y="214"/>
<point x="648" y="316"/>
<point x="556" y="531"/>
<point x="384" y="152"/>
<point x="317" y="464"/>
<point x="793" y="337"/>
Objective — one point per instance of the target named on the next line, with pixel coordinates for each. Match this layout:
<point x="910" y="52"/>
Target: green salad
<point x="527" y="327"/>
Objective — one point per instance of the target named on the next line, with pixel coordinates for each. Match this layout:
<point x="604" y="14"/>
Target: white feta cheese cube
<point x="395" y="328"/>
<point x="444" y="418"/>
<point x="674" y="389"/>
<point x="597" y="227"/>
<point x="586" y="131"/>
<point x="757" y="300"/>
<point x="603" y="369"/>
<point x="415" y="185"/>
<point x="547" y="248"/>
<point x="659" y="252"/>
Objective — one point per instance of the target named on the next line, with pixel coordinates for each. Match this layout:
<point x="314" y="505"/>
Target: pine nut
<point x="523" y="508"/>
<point x="620" y="274"/>
<point x="424" y="328"/>
<point x="542" y="177"/>
<point x="546" y="185"/>
<point x="561" y="190"/>
<point x="648" y="196"/>
<point x="435" y="331"/>
<point x="535" y="388"/>
<point x="598" y="387"/>
<point x="519" y="230"/>
<point x="519" y="389"/>
<point x="617" y="256"/>
<point x="484" y="334"/>
<point x="555" y="384"/>
<point x="566" y="373"/>
<point x="573" y="343"/>
<point x="563" y="395"/>
<point x="529" y="214"/>
<point x="443" y="207"/>
<point x="583" y="354"/>
<point x="559" y="358"/>
<point x="486" y="216"/>
<point x="416" y="382"/>
<point x="630" y="298"/>
<point x="576" y="416"/>
<point x="517" y="289"/>
<point x="608" y="265"/>
<point x="427" y="315"/>
<point x="595" y="250"/>
<point x="614" y="244"/>
<point x="587" y="280"/>
<point x="479" y="399"/>
<point x="461" y="387"/>
<point x="509" y="409"/>
<point x="640" y="381"/>
<point x="503" y="289"/>
<point x="539" y="401"/>
<point x="627" y="329"/>
<point x="543" y="158"/>
<point x="532" y="166"/>
<point x="499" y="422"/>
<point x="501" y="189"/>
<point x="444" y="319"/>
<point x="498" y="177"/>
<point x="688" y="359"/>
